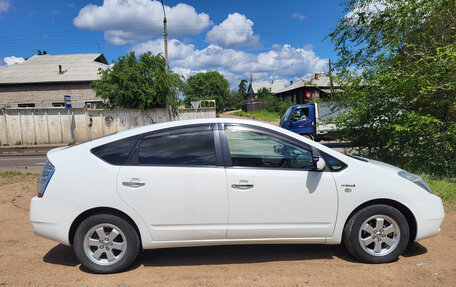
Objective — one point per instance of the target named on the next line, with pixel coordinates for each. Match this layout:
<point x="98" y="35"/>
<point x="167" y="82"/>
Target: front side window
<point x="181" y="148"/>
<point x="301" y="114"/>
<point x="255" y="148"/>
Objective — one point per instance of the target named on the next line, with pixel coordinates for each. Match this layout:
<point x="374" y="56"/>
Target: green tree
<point x="273" y="104"/>
<point x="236" y="98"/>
<point x="208" y="86"/>
<point x="399" y="58"/>
<point x="243" y="87"/>
<point x="138" y="83"/>
<point x="235" y="101"/>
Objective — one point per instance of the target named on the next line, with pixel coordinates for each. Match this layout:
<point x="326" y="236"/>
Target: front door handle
<point x="133" y="183"/>
<point x="242" y="185"/>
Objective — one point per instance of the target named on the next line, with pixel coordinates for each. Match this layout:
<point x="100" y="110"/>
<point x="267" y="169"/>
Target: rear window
<point x="116" y="152"/>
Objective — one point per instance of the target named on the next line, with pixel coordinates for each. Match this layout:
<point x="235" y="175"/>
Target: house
<point x="44" y="79"/>
<point x="254" y="87"/>
<point x="307" y="89"/>
<point x="252" y="103"/>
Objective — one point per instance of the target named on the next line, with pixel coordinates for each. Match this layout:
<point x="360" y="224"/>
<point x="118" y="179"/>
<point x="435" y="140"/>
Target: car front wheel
<point x="377" y="234"/>
<point x="105" y="243"/>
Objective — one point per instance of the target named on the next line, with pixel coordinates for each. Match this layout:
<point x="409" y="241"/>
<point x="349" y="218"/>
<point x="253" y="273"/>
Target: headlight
<point x="416" y="179"/>
<point x="46" y="174"/>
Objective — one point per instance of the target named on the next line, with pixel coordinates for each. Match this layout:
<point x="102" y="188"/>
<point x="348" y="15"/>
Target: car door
<point x="274" y="191"/>
<point x="303" y="120"/>
<point x="176" y="183"/>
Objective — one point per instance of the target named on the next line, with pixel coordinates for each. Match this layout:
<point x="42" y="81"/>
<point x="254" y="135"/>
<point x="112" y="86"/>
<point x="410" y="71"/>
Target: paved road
<point x="36" y="161"/>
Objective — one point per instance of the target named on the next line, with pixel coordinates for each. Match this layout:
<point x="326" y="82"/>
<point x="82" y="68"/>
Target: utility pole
<point x="165" y="34"/>
<point x="331" y="79"/>
<point x="165" y="38"/>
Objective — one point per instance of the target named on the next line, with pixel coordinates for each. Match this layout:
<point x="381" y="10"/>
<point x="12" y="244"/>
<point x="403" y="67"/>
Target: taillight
<point x="46" y="174"/>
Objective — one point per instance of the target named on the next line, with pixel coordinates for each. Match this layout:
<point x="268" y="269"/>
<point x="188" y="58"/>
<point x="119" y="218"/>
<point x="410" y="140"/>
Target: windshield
<point x="287" y="113"/>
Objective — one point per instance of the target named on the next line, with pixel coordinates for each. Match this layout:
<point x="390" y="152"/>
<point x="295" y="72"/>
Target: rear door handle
<point x="133" y="183"/>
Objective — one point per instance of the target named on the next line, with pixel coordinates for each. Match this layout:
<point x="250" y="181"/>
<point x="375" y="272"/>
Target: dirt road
<point x="28" y="260"/>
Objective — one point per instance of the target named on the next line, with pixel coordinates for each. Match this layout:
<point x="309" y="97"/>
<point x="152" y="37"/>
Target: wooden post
<point x="330" y="79"/>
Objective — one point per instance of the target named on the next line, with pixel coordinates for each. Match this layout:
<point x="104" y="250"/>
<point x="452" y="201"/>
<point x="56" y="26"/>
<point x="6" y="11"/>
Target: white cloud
<point x="366" y="10"/>
<point x="298" y="16"/>
<point x="284" y="62"/>
<point x="4" y="5"/>
<point x="13" y="60"/>
<point x="176" y="49"/>
<point x="234" y="31"/>
<point x="128" y="21"/>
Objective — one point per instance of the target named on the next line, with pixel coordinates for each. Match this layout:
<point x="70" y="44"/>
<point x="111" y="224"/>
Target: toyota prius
<point x="224" y="182"/>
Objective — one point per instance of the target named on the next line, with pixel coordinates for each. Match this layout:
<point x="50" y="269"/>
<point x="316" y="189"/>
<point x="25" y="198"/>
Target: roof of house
<point x="321" y="81"/>
<point x="272" y="86"/>
<point x="45" y="69"/>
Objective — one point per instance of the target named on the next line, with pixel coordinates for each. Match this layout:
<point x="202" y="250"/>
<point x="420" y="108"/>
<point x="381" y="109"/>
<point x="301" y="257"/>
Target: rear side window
<point x="181" y="148"/>
<point x="116" y="152"/>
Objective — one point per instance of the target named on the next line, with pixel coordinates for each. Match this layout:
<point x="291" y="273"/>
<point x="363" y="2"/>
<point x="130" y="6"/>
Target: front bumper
<point x="429" y="215"/>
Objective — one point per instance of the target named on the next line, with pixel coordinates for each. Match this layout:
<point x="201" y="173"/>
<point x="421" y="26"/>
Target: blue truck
<point x="308" y="120"/>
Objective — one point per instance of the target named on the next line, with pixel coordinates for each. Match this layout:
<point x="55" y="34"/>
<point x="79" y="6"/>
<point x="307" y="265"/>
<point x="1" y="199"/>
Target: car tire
<point x="113" y="253"/>
<point x="377" y="234"/>
<point x="309" y="136"/>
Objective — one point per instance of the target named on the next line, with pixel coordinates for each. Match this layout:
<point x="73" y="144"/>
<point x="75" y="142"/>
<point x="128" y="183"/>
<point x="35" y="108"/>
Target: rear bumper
<point x="51" y="217"/>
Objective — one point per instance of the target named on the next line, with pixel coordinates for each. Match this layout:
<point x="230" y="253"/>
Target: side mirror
<point x="290" y="122"/>
<point x="319" y="163"/>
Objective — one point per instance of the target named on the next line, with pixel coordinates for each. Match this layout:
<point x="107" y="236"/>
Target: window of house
<point x="28" y="105"/>
<point x="58" y="105"/>
<point x="255" y="148"/>
<point x="180" y="148"/>
<point x="93" y="105"/>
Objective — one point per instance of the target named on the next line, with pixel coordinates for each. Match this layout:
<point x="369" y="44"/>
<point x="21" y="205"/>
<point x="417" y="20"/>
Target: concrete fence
<point x="59" y="125"/>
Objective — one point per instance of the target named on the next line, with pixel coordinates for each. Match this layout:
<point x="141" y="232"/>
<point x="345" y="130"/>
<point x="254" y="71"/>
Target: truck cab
<point x="300" y="119"/>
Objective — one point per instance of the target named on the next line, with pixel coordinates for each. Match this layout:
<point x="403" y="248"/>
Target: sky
<point x="270" y="40"/>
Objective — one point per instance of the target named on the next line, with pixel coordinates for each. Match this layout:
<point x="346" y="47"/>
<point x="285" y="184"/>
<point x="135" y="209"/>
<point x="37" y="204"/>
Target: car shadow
<point x="61" y="255"/>
<point x="239" y="254"/>
<point x="414" y="249"/>
<point x="231" y="254"/>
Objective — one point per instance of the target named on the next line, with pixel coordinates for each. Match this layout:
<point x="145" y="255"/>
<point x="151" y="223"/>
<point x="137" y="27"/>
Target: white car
<point x="221" y="182"/>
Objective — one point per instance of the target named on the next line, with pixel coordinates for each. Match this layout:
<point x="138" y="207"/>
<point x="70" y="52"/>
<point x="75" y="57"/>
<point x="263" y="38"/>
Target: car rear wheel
<point x="377" y="234"/>
<point x="106" y="243"/>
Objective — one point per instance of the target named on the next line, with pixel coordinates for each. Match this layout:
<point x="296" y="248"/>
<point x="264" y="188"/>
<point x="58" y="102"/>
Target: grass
<point x="263" y="115"/>
<point x="14" y="173"/>
<point x="8" y="177"/>
<point x="446" y="190"/>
